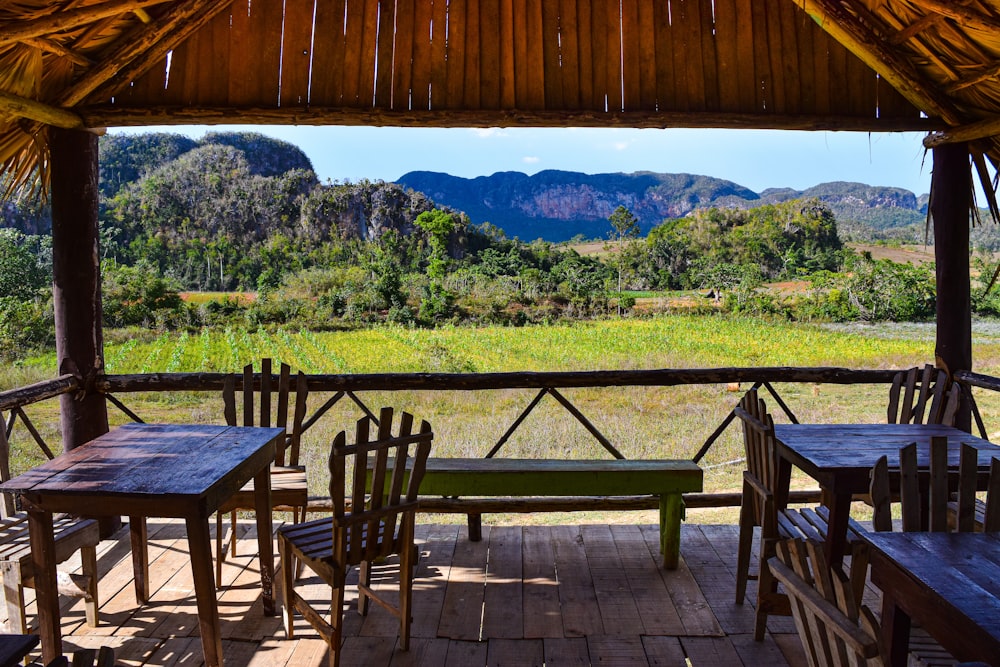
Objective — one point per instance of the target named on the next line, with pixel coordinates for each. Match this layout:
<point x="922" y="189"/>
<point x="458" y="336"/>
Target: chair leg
<point x="287" y="586"/>
<point x="298" y="516"/>
<point x="767" y="589"/>
<point x="232" y="534"/>
<point x="364" y="581"/>
<point x="13" y="592"/>
<point x="745" y="545"/>
<point x="220" y="552"/>
<point x="407" y="564"/>
<point x="88" y="557"/>
<point x="337" y="621"/>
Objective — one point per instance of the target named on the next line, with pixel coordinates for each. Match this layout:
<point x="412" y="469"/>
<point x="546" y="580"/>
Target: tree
<point x="21" y="275"/>
<point x="438" y="225"/>
<point x="626" y="227"/>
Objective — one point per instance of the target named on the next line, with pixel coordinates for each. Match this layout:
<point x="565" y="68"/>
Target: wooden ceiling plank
<point x="550" y="55"/>
<point x="57" y="49"/>
<point x="220" y="28"/>
<point x="384" y="55"/>
<point x="743" y="41"/>
<point x="490" y="54"/>
<point x="353" y="35"/>
<point x="296" y="51"/>
<point x="614" y="56"/>
<point x="133" y="57"/>
<point x="69" y="19"/>
<point x="763" y="71"/>
<point x="631" y="65"/>
<point x="599" y="56"/>
<point x="366" y="61"/>
<point x="439" y="53"/>
<point x="266" y="49"/>
<point x="470" y="98"/>
<point x="822" y="65"/>
<point x="420" y="72"/>
<point x="326" y="88"/>
<point x="727" y="42"/>
<point x="508" y="96"/>
<point x="666" y="91"/>
<point x="522" y="65"/>
<point x="585" y="55"/>
<point x="843" y="26"/>
<point x="204" y="81"/>
<point x="709" y="57"/>
<point x="780" y="56"/>
<point x="687" y="24"/>
<point x="569" y="53"/>
<point x="647" y="55"/>
<point x="456" y="54"/>
<point x="241" y="91"/>
<point x="22" y="107"/>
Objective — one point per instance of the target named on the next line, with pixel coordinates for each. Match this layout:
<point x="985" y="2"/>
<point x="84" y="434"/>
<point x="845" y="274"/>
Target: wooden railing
<point x="341" y="386"/>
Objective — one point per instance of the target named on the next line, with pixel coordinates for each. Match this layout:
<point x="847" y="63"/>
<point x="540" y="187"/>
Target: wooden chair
<point x="835" y="628"/>
<point x="363" y="530"/>
<point x="85" y="657"/>
<point x="923" y="396"/>
<point x="289" y="490"/>
<point x="930" y="509"/>
<point x="759" y="508"/>
<point x="71" y="535"/>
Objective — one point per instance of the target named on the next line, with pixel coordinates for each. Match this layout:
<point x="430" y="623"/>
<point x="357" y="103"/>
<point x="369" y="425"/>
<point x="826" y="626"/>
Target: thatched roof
<point x="876" y="65"/>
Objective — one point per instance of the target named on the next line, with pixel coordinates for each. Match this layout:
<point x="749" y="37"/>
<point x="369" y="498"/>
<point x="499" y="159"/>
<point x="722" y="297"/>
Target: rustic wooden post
<point x="950" y="206"/>
<point x="76" y="281"/>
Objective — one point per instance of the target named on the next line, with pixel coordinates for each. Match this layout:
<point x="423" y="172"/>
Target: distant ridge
<point x="559" y="205"/>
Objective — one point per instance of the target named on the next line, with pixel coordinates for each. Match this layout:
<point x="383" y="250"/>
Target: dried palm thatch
<point x="873" y="65"/>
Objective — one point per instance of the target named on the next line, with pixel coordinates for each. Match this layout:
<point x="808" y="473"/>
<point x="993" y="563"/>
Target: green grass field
<point x="643" y="422"/>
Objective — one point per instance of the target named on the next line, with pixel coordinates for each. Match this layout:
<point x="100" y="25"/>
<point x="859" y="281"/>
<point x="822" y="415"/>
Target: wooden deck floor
<point x="531" y="595"/>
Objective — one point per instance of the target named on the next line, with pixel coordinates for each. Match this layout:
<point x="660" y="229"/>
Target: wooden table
<point x="949" y="583"/>
<point x="840" y="457"/>
<point x="151" y="470"/>
<point x="13" y="648"/>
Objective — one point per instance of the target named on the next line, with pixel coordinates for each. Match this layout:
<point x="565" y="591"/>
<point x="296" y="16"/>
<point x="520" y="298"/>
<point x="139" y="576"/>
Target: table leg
<point x="43" y="560"/>
<point x="200" y="548"/>
<point x="895" y="633"/>
<point x="265" y="543"/>
<point x="140" y="557"/>
<point x="671" y="513"/>
<point x="839" y="505"/>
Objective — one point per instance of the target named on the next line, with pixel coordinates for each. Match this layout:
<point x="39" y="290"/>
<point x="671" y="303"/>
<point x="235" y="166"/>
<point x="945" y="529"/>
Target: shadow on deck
<point x="524" y="595"/>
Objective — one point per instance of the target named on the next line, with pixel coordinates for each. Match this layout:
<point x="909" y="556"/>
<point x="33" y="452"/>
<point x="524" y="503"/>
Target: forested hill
<point x="559" y="205"/>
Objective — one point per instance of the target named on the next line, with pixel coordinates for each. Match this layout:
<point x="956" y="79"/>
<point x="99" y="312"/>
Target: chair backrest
<point x="368" y="529"/>
<point x="834" y="627"/>
<point x="276" y="396"/>
<point x="923" y="396"/>
<point x="929" y="510"/>
<point x="7" y="508"/>
<point x="758" y="439"/>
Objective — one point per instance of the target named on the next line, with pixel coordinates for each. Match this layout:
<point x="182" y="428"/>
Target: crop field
<point x="642" y="422"/>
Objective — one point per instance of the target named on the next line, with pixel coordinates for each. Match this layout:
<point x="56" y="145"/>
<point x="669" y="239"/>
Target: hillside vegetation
<point x="243" y="212"/>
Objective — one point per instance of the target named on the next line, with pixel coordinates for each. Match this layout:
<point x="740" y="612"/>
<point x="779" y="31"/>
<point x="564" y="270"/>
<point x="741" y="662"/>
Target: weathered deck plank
<point x="552" y="595"/>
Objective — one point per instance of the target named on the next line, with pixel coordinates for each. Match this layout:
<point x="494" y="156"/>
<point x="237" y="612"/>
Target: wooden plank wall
<point x="730" y="56"/>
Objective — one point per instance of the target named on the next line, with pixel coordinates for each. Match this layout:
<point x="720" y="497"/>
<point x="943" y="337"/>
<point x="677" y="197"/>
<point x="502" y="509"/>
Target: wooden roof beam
<point x="57" y="49"/>
<point x="956" y="11"/>
<point x="150" y="44"/>
<point x="69" y="19"/>
<point x="983" y="129"/>
<point x="845" y="26"/>
<point x="22" y="107"/>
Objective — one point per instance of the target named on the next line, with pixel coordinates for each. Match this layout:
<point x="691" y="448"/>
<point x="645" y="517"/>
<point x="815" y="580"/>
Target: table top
<point x="947" y="582"/>
<point x="164" y="470"/>
<point x="14" y="647"/>
<point x="843" y="454"/>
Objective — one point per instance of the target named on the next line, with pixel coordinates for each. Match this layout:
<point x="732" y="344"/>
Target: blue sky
<point x="757" y="159"/>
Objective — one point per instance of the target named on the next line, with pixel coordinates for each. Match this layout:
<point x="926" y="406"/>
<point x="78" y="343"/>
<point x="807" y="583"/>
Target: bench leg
<point x="475" y="527"/>
<point x="671" y="513"/>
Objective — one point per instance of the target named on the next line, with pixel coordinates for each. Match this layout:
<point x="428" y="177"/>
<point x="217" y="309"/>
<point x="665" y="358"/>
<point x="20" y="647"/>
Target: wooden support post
<point x="950" y="206"/>
<point x="76" y="281"/>
<point x="76" y="287"/>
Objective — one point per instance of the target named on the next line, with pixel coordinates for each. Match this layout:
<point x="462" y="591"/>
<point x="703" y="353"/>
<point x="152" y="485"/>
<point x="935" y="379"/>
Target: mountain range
<point x="560" y="205"/>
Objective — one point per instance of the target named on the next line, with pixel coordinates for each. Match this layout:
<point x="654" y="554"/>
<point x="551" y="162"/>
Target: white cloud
<point x="531" y="159"/>
<point x="621" y="145"/>
<point x="488" y="132"/>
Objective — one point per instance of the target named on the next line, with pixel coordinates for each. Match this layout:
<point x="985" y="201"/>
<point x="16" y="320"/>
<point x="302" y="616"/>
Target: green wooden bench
<point x="517" y="479"/>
